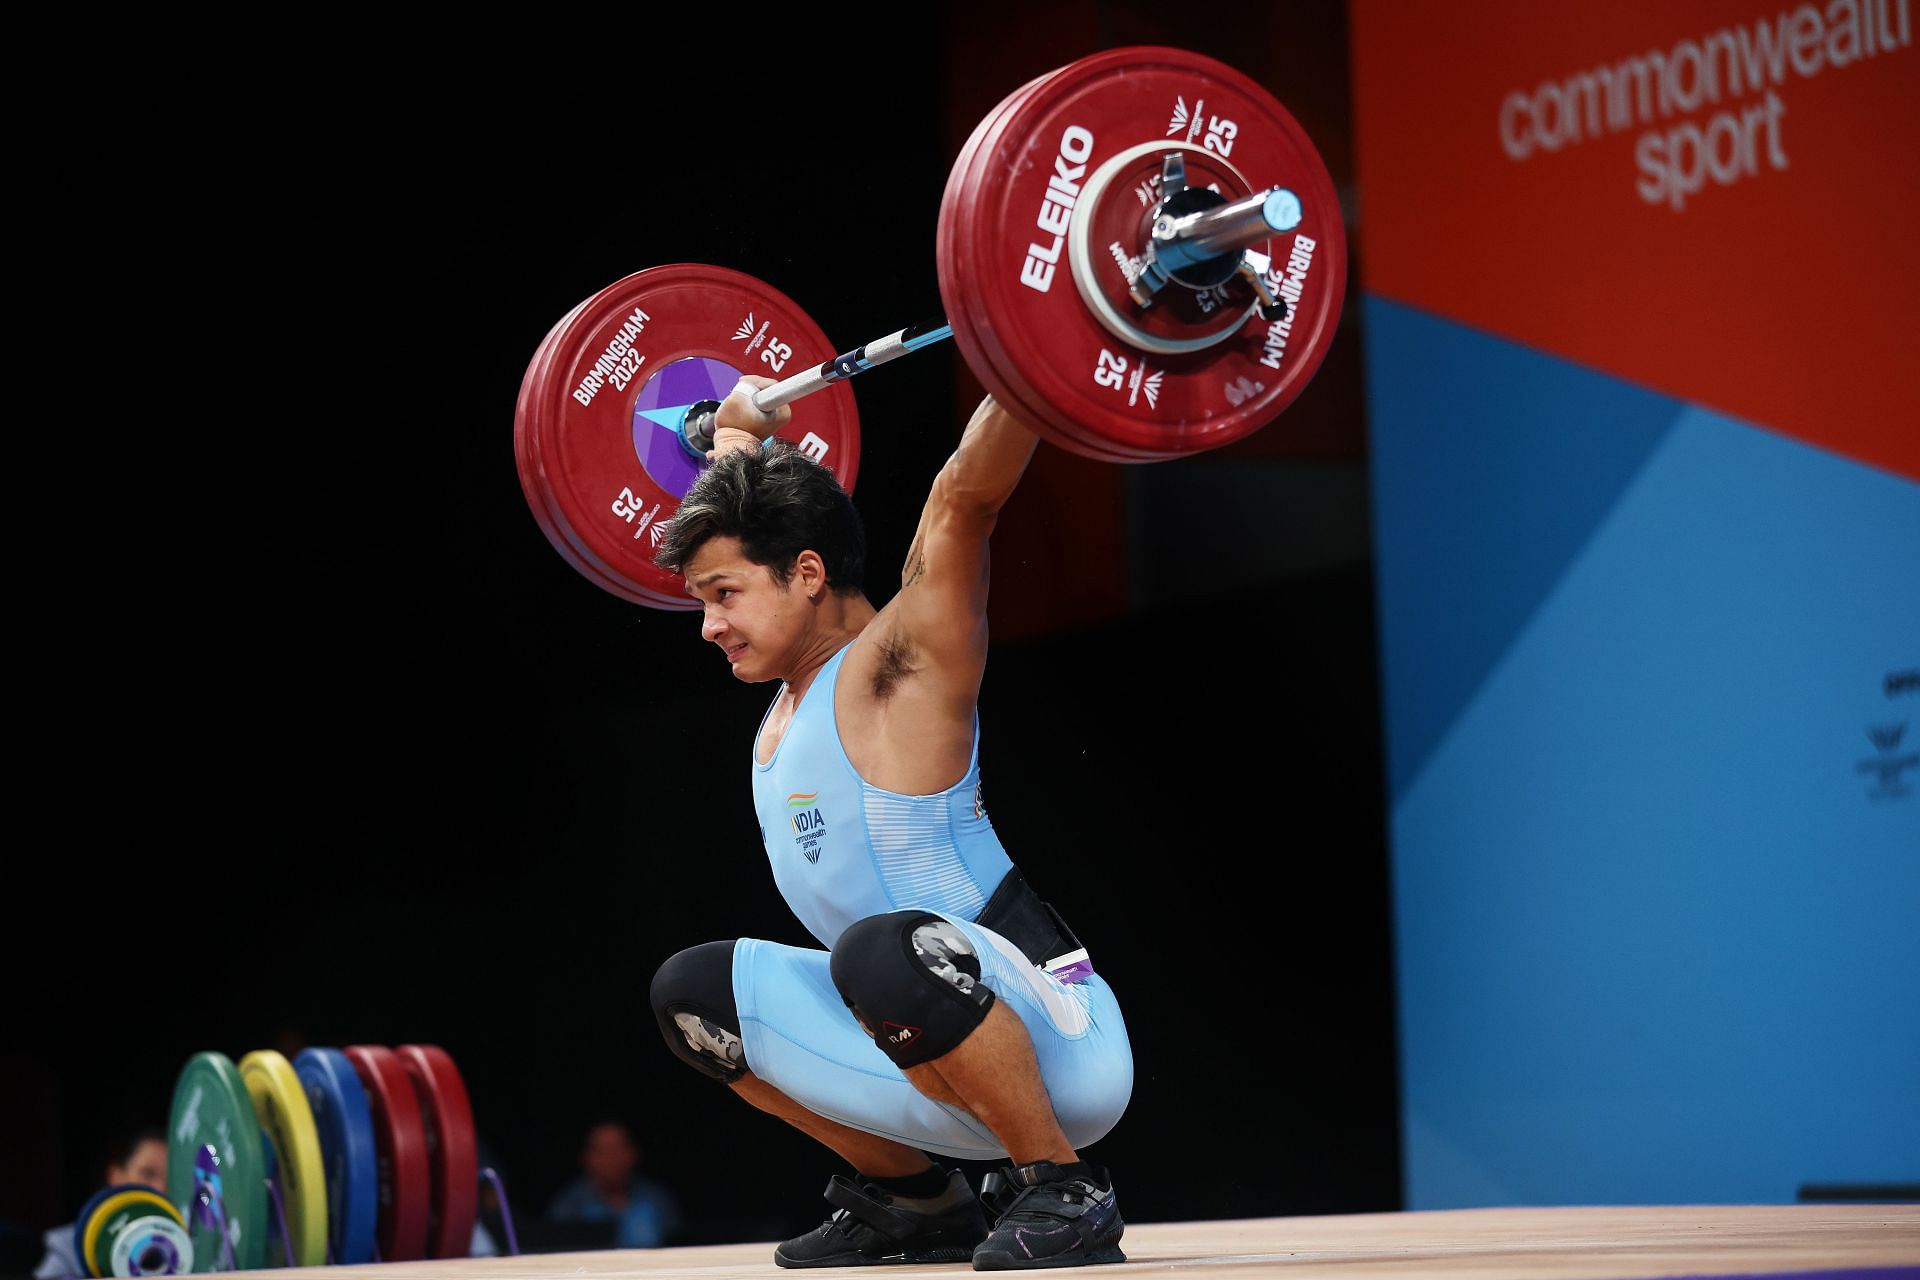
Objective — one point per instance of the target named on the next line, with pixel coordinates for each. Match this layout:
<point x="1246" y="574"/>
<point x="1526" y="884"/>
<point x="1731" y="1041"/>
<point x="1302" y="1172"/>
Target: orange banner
<point x="1715" y="199"/>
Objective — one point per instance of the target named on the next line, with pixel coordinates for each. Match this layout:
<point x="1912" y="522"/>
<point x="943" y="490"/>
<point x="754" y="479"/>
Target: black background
<point x="374" y="765"/>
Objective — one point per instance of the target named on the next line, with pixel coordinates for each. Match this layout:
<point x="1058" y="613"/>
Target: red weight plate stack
<point x="957" y="259"/>
<point x="975" y="341"/>
<point x="406" y="1180"/>
<point x="540" y="501"/>
<point x="1078" y="154"/>
<point x="597" y="428"/>
<point x="452" y="1147"/>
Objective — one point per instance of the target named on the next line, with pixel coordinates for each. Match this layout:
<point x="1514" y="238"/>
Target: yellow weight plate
<point x="287" y="1120"/>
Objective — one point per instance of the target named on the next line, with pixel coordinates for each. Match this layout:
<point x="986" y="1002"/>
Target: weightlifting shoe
<point x="1046" y="1215"/>
<point x="870" y="1228"/>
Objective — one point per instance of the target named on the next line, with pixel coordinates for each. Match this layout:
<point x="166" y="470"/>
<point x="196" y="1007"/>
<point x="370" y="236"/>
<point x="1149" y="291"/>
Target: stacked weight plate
<point x="373" y="1151"/>
<point x="1046" y="352"/>
<point x="596" y="430"/>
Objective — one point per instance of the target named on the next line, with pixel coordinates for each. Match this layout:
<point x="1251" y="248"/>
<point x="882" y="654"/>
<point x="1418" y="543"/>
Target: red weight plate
<point x="1092" y="135"/>
<point x="550" y="519"/>
<point x="406" y="1180"/>
<point x="452" y="1148"/>
<point x="963" y="314"/>
<point x="540" y="497"/>
<point x="962" y="181"/>
<point x="963" y="161"/>
<point x="973" y="333"/>
<point x="1081" y="435"/>
<point x="978" y="340"/>
<point x="539" y="492"/>
<point x="572" y="545"/>
<point x="533" y="485"/>
<point x="996" y="157"/>
<point x="596" y="427"/>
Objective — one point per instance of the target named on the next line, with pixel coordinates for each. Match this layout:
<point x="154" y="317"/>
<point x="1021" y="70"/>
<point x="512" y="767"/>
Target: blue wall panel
<point x="1658" y="916"/>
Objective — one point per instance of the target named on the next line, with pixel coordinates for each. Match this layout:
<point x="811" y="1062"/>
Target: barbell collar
<point x="1180" y="241"/>
<point x="1270" y="305"/>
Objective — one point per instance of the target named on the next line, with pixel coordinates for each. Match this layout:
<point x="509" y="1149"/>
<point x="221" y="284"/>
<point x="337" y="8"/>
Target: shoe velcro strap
<point x="1065" y="1205"/>
<point x="1057" y="1206"/>
<point x="996" y="1192"/>
<point x="843" y="1193"/>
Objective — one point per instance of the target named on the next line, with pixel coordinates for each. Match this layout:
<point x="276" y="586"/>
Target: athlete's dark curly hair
<point x="778" y="502"/>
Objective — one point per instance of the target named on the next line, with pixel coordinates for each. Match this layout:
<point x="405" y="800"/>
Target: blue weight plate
<point x="348" y="1150"/>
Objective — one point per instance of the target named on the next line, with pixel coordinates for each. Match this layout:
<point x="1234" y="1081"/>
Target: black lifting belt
<point x="1016" y="913"/>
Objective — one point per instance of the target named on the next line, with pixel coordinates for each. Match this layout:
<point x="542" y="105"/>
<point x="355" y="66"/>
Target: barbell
<point x="1141" y="256"/>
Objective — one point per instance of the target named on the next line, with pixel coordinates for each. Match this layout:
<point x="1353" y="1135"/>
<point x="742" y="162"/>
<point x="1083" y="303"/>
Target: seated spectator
<point x="609" y="1190"/>
<point x="139" y="1158"/>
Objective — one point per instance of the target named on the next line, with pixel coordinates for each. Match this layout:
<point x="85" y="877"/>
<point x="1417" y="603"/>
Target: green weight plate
<point x="211" y="1108"/>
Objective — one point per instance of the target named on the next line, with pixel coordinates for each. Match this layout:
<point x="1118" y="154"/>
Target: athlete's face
<point x="759" y="624"/>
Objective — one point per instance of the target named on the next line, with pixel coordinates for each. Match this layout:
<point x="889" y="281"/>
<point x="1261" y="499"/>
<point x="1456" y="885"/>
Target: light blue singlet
<point x="843" y="849"/>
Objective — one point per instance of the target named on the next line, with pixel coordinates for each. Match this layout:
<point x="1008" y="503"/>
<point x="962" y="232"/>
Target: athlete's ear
<point x="812" y="572"/>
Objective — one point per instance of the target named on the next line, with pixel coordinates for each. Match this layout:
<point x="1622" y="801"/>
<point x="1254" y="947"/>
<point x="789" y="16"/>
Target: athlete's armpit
<point x="896" y="663"/>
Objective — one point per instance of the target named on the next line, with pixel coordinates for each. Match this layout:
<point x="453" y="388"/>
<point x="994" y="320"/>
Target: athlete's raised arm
<point x="941" y="611"/>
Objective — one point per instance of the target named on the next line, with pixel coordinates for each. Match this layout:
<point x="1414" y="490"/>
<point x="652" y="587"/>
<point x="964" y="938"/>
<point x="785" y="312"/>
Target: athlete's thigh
<point x="1079" y="1038"/>
<point x="800" y="1037"/>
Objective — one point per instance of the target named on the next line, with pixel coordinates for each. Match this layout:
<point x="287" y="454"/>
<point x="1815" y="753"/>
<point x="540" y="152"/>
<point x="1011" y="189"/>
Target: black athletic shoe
<point x="870" y="1228"/>
<point x="1046" y="1216"/>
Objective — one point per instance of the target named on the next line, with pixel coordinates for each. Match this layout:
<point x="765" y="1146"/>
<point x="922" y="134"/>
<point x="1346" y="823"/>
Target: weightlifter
<point x="952" y="1012"/>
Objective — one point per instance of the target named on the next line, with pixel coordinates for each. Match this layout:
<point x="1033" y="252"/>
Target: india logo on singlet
<point x="809" y="828"/>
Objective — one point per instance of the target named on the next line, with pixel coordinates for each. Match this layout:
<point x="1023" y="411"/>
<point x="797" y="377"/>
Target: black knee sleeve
<point x="914" y="981"/>
<point x="693" y="1002"/>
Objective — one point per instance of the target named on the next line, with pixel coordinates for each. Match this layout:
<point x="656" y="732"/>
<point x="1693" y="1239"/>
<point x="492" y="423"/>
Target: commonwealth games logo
<point x="804" y="814"/>
<point x="809" y="828"/>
